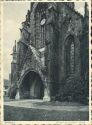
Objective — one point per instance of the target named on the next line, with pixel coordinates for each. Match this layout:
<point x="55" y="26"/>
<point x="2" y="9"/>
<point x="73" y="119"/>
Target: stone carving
<point x="44" y="34"/>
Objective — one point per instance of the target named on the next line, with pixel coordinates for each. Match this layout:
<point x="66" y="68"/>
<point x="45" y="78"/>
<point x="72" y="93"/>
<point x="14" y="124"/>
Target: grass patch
<point x="28" y="114"/>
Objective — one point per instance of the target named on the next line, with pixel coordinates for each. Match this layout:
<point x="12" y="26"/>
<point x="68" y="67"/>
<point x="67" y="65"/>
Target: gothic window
<point x="70" y="56"/>
<point x="40" y="29"/>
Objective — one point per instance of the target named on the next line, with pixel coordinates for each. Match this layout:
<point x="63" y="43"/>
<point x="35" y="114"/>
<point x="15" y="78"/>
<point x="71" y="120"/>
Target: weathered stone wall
<point x="70" y="24"/>
<point x="62" y="23"/>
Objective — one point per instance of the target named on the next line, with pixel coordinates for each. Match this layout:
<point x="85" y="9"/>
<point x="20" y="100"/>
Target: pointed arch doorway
<point x="31" y="86"/>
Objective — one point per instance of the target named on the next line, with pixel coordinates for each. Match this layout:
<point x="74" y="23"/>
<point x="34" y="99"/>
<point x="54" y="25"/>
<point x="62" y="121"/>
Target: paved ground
<point x="39" y="104"/>
<point x="39" y="110"/>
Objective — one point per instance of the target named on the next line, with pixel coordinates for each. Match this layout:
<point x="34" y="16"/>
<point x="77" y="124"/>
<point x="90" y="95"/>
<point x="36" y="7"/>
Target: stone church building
<point x="50" y="60"/>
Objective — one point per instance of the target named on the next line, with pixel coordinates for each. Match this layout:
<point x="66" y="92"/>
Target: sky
<point x="13" y="15"/>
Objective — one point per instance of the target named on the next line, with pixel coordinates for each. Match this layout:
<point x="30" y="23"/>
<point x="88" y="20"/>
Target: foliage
<point x="74" y="90"/>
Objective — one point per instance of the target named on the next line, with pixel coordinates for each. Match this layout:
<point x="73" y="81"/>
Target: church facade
<point x="50" y="60"/>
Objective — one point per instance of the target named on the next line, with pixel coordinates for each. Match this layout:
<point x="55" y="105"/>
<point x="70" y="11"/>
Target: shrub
<point x="73" y="90"/>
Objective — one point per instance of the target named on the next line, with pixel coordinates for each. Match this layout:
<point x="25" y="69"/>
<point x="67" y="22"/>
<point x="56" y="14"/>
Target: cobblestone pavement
<point x="39" y="104"/>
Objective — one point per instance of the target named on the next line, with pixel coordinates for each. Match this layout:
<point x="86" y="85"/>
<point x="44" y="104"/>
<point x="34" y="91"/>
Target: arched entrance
<point x="31" y="86"/>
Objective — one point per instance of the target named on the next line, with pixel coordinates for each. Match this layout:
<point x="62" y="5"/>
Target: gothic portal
<point x="31" y="86"/>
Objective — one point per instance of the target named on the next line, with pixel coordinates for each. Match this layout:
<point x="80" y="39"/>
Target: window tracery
<point x="40" y="29"/>
<point x="70" y="56"/>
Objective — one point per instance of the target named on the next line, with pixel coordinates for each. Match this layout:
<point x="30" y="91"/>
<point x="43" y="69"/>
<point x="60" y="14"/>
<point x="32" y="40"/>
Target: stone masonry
<point x="51" y="56"/>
